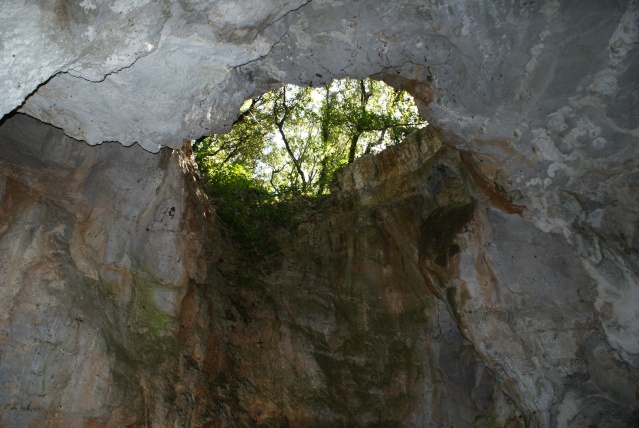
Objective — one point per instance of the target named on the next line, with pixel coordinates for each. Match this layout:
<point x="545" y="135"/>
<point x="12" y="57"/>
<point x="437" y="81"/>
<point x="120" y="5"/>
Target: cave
<point x="482" y="273"/>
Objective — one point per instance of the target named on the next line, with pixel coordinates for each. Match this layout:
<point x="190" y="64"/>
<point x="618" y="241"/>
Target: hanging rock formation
<point x="487" y="279"/>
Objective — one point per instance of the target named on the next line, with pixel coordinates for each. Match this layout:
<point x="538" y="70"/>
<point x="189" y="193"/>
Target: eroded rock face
<point x="96" y="258"/>
<point x="346" y="327"/>
<point x="407" y="297"/>
<point x="538" y="102"/>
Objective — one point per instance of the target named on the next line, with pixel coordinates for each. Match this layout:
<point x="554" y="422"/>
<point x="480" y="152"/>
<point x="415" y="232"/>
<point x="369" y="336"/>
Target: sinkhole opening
<point x="292" y="140"/>
<point x="285" y="149"/>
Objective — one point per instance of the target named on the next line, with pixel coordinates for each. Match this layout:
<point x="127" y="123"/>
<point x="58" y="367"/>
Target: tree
<point x="294" y="139"/>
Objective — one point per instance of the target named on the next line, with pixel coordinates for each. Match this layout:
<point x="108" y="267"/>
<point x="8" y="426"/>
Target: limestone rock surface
<point x="95" y="262"/>
<point x="111" y="299"/>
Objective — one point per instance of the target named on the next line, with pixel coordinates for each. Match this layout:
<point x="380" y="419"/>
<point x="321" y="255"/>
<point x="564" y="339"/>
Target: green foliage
<point x="294" y="139"/>
<point x="252" y="215"/>
<point x="288" y="144"/>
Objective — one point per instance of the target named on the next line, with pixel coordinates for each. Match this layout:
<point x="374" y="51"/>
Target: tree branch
<point x="280" y="128"/>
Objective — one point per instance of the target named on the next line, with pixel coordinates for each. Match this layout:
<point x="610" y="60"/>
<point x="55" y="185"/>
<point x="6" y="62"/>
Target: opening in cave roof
<point x="293" y="139"/>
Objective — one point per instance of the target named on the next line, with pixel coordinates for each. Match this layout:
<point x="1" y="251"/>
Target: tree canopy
<point x="292" y="140"/>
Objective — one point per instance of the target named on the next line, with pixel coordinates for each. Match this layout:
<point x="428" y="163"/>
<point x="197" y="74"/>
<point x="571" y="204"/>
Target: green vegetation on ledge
<point x="286" y="147"/>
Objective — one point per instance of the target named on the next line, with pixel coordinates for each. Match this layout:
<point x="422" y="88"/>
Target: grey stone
<point x="538" y="98"/>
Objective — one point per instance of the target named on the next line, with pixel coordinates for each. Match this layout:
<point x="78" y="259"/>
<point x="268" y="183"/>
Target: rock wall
<point x="127" y="307"/>
<point x="408" y="297"/>
<point x="112" y="299"/>
<point x="96" y="257"/>
<point x="347" y="325"/>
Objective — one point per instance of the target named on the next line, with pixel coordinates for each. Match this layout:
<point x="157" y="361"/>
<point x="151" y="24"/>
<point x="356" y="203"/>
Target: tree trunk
<point x="353" y="149"/>
<point x="296" y="162"/>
